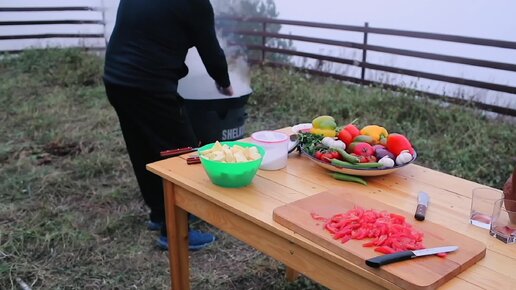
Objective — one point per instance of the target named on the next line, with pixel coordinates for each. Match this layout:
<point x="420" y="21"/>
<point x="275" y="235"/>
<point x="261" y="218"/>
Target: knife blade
<point x="422" y="205"/>
<point x="406" y="255"/>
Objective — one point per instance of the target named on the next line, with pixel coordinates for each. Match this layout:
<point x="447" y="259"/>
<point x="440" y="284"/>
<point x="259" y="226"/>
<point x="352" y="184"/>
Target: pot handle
<point x="293" y="143"/>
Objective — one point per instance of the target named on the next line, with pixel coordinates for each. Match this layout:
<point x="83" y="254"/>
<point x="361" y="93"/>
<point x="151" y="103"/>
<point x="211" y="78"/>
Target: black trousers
<point x="150" y="122"/>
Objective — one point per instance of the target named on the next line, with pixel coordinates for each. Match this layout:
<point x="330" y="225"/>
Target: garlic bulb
<point x="387" y="162"/>
<point x="404" y="157"/>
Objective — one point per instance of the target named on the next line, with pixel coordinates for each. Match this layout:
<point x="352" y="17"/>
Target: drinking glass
<point x="482" y="203"/>
<point x="503" y="223"/>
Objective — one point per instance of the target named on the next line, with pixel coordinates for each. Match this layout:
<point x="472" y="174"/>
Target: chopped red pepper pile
<point x="390" y="232"/>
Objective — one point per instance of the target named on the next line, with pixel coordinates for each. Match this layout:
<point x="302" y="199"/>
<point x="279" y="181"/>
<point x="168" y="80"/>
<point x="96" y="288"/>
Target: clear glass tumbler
<point x="482" y="202"/>
<point x="503" y="223"/>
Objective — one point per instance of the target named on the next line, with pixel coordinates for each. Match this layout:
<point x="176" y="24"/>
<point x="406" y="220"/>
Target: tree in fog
<point x="249" y="8"/>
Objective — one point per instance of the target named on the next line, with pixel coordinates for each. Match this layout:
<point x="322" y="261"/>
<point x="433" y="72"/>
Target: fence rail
<point x="264" y="35"/>
<point x="26" y="24"/>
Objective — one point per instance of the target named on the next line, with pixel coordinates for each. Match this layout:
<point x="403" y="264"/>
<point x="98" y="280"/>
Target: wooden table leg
<point x="177" y="231"/>
<point x="292" y="274"/>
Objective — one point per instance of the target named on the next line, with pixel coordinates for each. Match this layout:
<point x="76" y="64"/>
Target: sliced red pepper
<point x="318" y="217"/>
<point x="384" y="250"/>
<point x="381" y="239"/>
<point x="342" y="233"/>
<point x="369" y="244"/>
<point x="389" y="231"/>
<point x="345" y="239"/>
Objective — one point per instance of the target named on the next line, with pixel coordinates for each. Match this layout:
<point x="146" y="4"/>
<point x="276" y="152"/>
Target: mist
<point x="197" y="84"/>
<point x="475" y="18"/>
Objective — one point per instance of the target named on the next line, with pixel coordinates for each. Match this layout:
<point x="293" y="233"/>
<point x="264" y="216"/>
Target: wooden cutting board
<point x="421" y="273"/>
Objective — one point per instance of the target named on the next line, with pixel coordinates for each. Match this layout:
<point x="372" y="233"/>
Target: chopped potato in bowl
<point x="231" y="163"/>
<point x="234" y="154"/>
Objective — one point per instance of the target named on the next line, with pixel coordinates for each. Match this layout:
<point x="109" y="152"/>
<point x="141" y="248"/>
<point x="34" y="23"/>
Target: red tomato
<point x="366" y="159"/>
<point x="336" y="155"/>
<point x="327" y="157"/>
<point x="345" y="136"/>
<point x="318" y="155"/>
<point x="363" y="149"/>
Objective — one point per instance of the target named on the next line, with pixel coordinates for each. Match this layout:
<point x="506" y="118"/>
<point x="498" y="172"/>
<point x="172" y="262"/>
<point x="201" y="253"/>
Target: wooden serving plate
<point x="357" y="172"/>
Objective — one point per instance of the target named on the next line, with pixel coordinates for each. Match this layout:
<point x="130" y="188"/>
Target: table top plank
<point x="452" y="183"/>
<point x="488" y="278"/>
<point x="459" y="283"/>
<point x="449" y="206"/>
<point x="384" y="189"/>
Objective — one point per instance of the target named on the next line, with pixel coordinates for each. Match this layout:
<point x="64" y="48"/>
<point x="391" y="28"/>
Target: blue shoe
<point x="196" y="241"/>
<point x="154" y="226"/>
<point x="193" y="219"/>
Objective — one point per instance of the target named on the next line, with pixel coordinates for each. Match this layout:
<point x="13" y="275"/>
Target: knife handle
<point x="420" y="212"/>
<point x="175" y="152"/>
<point x="389" y="258"/>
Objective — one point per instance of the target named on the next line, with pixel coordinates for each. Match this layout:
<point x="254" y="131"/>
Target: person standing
<point x="145" y="58"/>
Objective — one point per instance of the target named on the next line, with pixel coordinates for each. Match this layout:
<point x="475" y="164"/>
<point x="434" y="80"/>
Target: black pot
<point x="218" y="119"/>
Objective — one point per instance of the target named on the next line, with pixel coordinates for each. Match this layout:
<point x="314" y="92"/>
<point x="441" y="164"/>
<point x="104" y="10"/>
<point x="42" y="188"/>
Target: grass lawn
<point x="71" y="216"/>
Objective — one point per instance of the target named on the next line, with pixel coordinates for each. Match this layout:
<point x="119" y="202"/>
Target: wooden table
<point x="247" y="214"/>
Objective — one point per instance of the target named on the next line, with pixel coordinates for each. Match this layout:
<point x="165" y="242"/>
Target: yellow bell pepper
<point x="324" y="125"/>
<point x="375" y="131"/>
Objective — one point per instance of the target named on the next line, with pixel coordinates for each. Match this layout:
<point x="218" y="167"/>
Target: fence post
<point x="104" y="7"/>
<point x="364" y="53"/>
<point x="264" y="40"/>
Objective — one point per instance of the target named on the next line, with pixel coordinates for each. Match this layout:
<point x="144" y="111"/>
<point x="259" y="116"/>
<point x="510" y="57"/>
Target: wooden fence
<point x="28" y="24"/>
<point x="264" y="35"/>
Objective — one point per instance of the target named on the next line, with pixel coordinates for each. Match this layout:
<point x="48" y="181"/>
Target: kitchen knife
<point x="175" y="152"/>
<point x="406" y="255"/>
<point x="422" y="205"/>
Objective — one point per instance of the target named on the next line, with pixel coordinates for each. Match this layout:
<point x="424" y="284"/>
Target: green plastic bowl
<point x="231" y="174"/>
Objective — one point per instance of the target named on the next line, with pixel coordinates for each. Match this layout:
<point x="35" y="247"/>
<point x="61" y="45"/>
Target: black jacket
<point x="150" y="41"/>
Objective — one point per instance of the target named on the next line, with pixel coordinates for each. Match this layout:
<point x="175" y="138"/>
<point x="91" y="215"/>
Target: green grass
<point x="71" y="216"/>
